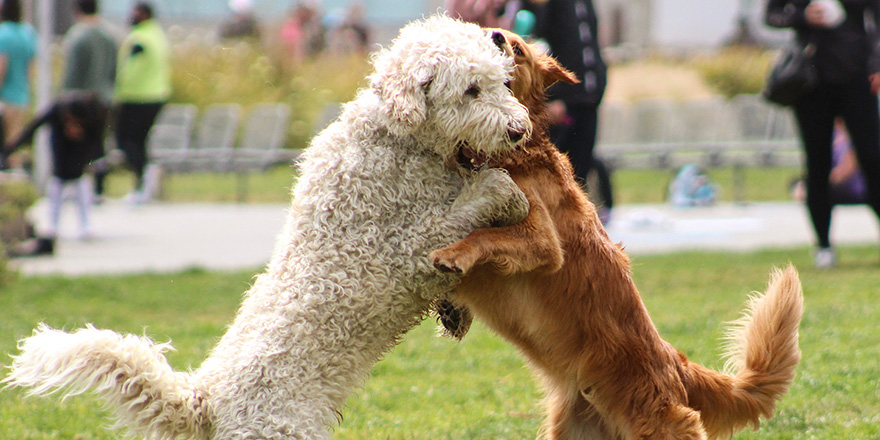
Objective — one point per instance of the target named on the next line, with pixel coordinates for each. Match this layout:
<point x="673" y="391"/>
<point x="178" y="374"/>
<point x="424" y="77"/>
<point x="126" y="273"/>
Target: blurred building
<point x="634" y="27"/>
<point x="385" y="16"/>
<point x="629" y="28"/>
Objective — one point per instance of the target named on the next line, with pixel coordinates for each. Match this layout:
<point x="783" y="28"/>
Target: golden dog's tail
<point x="130" y="372"/>
<point x="763" y="354"/>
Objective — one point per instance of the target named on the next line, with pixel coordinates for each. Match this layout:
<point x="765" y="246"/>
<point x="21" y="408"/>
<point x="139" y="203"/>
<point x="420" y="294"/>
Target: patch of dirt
<point x="651" y="79"/>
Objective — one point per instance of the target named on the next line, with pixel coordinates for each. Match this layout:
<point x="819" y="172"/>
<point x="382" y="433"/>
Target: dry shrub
<point x="735" y="70"/>
<point x="16" y="197"/>
<point x="655" y="78"/>
<point x="244" y="73"/>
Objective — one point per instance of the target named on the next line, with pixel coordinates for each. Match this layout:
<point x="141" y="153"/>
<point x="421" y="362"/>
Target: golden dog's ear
<point x="403" y="96"/>
<point x="552" y="71"/>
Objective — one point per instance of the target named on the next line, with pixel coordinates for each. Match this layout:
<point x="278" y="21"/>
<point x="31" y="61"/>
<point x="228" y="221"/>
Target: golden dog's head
<point x="533" y="73"/>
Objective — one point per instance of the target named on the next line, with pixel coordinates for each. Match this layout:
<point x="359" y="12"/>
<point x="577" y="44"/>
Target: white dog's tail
<point x="763" y="353"/>
<point x="130" y="372"/>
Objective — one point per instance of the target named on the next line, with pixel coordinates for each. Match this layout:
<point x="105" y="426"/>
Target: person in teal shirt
<point x="18" y="47"/>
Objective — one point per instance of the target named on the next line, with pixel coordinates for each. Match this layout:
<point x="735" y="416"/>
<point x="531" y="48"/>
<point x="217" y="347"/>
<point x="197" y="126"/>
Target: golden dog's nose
<point x="498" y="39"/>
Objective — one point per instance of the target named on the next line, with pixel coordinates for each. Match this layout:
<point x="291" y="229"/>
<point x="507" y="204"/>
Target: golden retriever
<point x="557" y="287"/>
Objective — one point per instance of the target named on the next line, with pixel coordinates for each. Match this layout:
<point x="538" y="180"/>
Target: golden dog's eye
<point x="472" y="91"/>
<point x="517" y="50"/>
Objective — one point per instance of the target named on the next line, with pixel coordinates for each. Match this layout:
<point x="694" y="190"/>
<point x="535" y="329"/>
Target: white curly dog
<point x="398" y="175"/>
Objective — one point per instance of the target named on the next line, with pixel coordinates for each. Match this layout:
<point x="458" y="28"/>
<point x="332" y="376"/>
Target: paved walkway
<point x="165" y="237"/>
<point x="160" y="237"/>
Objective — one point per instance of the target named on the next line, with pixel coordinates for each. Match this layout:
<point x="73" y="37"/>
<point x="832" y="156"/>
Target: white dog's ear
<point x="403" y="95"/>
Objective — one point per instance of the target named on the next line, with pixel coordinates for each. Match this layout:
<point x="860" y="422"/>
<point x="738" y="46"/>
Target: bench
<point x="743" y="132"/>
<point x="216" y="146"/>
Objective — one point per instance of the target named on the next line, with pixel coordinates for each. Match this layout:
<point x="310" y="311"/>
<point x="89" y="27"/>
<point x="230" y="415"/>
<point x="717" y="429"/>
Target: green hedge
<point x="736" y="70"/>
<point x="245" y="73"/>
<point x="15" y="199"/>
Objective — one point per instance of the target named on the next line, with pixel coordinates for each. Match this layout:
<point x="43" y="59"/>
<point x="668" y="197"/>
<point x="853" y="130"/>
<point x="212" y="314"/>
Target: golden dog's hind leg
<point x="571" y="417"/>
<point x="674" y="422"/>
<point x="528" y="245"/>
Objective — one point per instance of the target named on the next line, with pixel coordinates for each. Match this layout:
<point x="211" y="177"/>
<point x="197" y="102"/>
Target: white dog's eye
<point x="472" y="91"/>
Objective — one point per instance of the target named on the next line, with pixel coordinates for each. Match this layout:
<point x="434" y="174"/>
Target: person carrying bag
<point x="793" y="75"/>
<point x="846" y="57"/>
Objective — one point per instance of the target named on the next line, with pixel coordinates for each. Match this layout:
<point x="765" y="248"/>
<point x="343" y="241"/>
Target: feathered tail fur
<point x="762" y="353"/>
<point x="129" y="372"/>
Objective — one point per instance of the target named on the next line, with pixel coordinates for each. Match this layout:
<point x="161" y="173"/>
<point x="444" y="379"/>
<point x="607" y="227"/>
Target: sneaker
<point x="604" y="215"/>
<point x="86" y="234"/>
<point x="135" y="198"/>
<point x="152" y="186"/>
<point x="824" y="258"/>
<point x="33" y="248"/>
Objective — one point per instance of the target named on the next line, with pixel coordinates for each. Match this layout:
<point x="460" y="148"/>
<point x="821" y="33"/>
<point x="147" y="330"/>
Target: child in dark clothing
<point x="77" y="121"/>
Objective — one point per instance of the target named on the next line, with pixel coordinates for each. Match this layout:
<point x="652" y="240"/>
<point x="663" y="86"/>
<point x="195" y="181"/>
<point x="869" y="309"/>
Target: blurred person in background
<point x="846" y="182"/>
<point x="90" y="65"/>
<point x="90" y="53"/>
<point x="352" y="34"/>
<point x="18" y="47"/>
<point x="302" y="33"/>
<point x="486" y="13"/>
<point x="143" y="85"/>
<point x="569" y="29"/>
<point x="847" y="58"/>
<point x="242" y="23"/>
<point x="77" y="121"/>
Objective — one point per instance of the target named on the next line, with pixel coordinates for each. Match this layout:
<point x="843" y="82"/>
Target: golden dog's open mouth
<point x="470" y="159"/>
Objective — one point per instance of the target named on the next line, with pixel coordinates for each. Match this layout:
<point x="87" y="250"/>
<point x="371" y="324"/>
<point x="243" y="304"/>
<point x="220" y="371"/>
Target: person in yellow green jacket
<point x="143" y="85"/>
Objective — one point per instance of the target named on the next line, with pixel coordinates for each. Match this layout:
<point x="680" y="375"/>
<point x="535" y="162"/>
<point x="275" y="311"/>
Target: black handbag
<point x="793" y="75"/>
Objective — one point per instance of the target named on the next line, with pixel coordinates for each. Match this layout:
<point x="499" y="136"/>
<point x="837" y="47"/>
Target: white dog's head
<point x="445" y="82"/>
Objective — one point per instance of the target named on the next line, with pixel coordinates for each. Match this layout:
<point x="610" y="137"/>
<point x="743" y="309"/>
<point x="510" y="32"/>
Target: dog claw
<point x="447" y="268"/>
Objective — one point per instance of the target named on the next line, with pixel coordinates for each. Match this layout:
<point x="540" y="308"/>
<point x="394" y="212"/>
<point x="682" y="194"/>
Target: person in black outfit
<point x="570" y="28"/>
<point x="847" y="58"/>
<point x="77" y="121"/>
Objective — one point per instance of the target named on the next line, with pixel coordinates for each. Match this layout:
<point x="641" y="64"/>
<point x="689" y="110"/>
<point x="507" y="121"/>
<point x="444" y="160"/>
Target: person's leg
<point x="599" y="189"/>
<point x="862" y="120"/>
<point x="55" y="197"/>
<point x="132" y="128"/>
<point x="603" y="175"/>
<point x="103" y="166"/>
<point x="125" y="137"/>
<point x="146" y="116"/>
<point x="101" y="172"/>
<point x="578" y="139"/>
<point x="815" y="119"/>
<point x="84" y="203"/>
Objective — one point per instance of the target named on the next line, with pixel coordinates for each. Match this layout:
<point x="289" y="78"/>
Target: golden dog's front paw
<point x="452" y="259"/>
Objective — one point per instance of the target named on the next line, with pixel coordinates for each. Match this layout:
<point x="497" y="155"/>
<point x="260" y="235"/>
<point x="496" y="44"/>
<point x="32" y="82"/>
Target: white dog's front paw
<point x="491" y="198"/>
<point x="513" y="207"/>
<point x="517" y="208"/>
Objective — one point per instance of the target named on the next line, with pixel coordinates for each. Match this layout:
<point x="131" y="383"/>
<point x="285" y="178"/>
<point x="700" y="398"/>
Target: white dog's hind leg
<point x="130" y="372"/>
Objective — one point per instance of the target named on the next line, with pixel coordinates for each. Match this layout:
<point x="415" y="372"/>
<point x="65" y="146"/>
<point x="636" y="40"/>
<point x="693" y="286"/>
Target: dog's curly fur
<point x="386" y="183"/>
<point x="560" y="290"/>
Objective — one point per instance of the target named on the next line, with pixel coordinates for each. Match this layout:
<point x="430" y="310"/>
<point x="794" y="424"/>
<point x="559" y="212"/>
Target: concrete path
<point x="160" y="237"/>
<point x="663" y="228"/>
<point x="166" y="237"/>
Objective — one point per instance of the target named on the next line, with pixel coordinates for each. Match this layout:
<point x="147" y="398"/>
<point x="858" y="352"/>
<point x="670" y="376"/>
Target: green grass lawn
<point x="758" y="184"/>
<point x="271" y="186"/>
<point x="630" y="186"/>
<point x="433" y="388"/>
